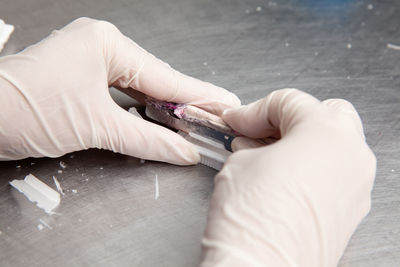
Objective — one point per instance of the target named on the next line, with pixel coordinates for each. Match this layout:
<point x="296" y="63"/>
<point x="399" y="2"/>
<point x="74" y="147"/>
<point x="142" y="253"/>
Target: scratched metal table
<point x="109" y="215"/>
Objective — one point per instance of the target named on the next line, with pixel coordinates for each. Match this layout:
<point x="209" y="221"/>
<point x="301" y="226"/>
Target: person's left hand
<point x="55" y="98"/>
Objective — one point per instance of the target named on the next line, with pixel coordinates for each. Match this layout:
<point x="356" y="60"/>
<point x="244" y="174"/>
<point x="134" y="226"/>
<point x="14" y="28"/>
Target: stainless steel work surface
<point x="109" y="215"/>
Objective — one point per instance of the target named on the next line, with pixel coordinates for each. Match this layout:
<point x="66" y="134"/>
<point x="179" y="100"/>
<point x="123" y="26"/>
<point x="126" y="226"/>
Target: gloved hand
<point x="295" y="202"/>
<point x="55" y="98"/>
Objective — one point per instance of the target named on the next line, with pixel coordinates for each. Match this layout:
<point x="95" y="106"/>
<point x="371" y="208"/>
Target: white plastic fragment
<point x="36" y="191"/>
<point x="45" y="224"/>
<point x="5" y="32"/>
<point x="134" y="111"/>
<point x="63" y="164"/>
<point x="349" y="46"/>
<point x="392" y="46"/>
<point x="157" y="192"/>
<point x="59" y="189"/>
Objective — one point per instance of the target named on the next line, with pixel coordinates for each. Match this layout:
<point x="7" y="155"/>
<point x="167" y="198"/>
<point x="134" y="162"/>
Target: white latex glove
<point x="295" y="202"/>
<point x="55" y="98"/>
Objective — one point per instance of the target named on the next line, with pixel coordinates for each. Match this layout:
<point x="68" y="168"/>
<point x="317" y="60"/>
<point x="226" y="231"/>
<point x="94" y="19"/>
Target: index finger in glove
<point x="129" y="65"/>
<point x="276" y="113"/>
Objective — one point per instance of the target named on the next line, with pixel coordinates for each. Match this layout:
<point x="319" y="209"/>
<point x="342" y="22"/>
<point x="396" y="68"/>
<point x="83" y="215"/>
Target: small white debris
<point x="134" y="112"/>
<point x="87" y="180"/>
<point x="392" y="170"/>
<point x="279" y="74"/>
<point x="205" y="63"/>
<point x="40" y="227"/>
<point x="33" y="163"/>
<point x="45" y="224"/>
<point x="83" y="174"/>
<point x="18" y="166"/>
<point x="157" y="192"/>
<point x="74" y="191"/>
<point x="142" y="161"/>
<point x="247" y="11"/>
<point x="63" y="164"/>
<point x="316" y="53"/>
<point x="363" y="24"/>
<point x="370" y="7"/>
<point x="5" y="32"/>
<point x="79" y="220"/>
<point x="72" y="156"/>
<point x="348" y="77"/>
<point x="286" y="44"/>
<point x="348" y="46"/>
<point x="59" y="189"/>
<point x="37" y="191"/>
<point x="258" y="9"/>
<point x="392" y="46"/>
<point x="213" y="73"/>
<point x="101" y="168"/>
<point x="59" y="171"/>
<point x="110" y="225"/>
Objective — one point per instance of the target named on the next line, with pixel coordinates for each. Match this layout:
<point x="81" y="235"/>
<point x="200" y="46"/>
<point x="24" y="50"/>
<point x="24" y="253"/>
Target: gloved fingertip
<point x="233" y="99"/>
<point x="182" y="153"/>
<point x="190" y="154"/>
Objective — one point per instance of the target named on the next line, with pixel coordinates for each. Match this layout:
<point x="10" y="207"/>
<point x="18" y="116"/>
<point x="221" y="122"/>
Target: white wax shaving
<point x="37" y="191"/>
<point x="40" y="227"/>
<point x="5" y="32"/>
<point x="157" y="192"/>
<point x="134" y="111"/>
<point x="45" y="224"/>
<point x="392" y="46"/>
<point x="59" y="189"/>
<point x="63" y="164"/>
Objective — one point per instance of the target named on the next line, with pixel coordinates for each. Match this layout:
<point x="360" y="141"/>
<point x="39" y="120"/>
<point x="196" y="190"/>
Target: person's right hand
<point x="297" y="201"/>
